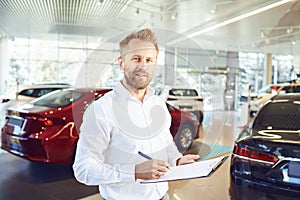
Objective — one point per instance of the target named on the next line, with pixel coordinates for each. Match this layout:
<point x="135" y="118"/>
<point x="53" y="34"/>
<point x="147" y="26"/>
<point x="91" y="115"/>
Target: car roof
<point x="283" y="84"/>
<point x="37" y="86"/>
<point x="51" y="83"/>
<point x="180" y="87"/>
<point x="12" y="91"/>
<point x="288" y="97"/>
<point x="96" y="91"/>
<point x="280" y="86"/>
<point x="87" y="89"/>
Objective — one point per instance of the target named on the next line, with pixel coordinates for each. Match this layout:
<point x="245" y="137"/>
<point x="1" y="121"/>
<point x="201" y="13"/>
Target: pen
<point x="148" y="157"/>
<point x="144" y="155"/>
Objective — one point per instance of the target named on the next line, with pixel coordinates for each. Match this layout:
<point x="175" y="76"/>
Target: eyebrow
<point x="137" y="55"/>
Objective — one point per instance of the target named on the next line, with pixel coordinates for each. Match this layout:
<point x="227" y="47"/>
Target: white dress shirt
<point x="114" y="129"/>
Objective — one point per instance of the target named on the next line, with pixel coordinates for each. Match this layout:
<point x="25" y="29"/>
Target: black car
<point x="265" y="162"/>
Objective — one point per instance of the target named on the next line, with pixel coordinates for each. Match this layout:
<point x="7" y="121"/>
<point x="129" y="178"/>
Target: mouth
<point x="141" y="74"/>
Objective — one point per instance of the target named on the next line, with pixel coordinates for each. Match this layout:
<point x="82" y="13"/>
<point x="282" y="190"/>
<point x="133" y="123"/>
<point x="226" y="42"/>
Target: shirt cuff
<point x="127" y="173"/>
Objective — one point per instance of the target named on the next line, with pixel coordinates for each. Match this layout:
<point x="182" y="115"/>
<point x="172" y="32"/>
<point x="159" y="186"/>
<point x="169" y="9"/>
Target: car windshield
<point x="58" y="99"/>
<point x="279" y="116"/>
<point x="183" y="92"/>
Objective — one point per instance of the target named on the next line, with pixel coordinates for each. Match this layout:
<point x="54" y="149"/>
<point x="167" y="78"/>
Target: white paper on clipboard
<point x="198" y="169"/>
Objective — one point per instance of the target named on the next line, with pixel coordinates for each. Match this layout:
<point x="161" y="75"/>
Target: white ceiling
<point x="271" y="31"/>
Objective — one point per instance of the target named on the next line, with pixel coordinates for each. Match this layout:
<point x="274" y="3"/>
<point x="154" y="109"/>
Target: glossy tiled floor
<point x="21" y="179"/>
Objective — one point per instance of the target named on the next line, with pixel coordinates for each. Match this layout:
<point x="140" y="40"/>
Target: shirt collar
<point x="126" y="95"/>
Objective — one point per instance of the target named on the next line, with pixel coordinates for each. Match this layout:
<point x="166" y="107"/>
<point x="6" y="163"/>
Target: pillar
<point x="170" y="66"/>
<point x="232" y="61"/>
<point x="268" y="69"/>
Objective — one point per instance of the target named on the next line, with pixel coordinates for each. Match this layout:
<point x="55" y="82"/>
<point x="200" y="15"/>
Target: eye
<point x="136" y="59"/>
<point x="150" y="60"/>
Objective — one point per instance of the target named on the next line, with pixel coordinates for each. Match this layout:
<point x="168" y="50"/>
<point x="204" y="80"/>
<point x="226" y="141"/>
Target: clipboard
<point x="199" y="169"/>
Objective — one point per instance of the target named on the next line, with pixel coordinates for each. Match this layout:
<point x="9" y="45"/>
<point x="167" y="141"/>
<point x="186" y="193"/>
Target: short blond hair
<point x="145" y="34"/>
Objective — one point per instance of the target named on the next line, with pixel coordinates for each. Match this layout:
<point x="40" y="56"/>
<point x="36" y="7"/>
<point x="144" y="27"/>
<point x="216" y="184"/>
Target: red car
<point x="46" y="130"/>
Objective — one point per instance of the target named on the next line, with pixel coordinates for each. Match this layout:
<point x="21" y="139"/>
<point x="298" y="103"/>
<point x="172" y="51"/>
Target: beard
<point x="138" y="79"/>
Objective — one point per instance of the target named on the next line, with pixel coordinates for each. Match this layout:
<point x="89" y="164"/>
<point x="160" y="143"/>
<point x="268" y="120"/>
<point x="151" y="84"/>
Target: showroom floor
<point x="21" y="179"/>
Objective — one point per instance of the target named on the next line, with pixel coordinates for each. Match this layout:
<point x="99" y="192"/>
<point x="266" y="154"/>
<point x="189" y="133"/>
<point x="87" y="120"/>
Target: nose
<point x="142" y="62"/>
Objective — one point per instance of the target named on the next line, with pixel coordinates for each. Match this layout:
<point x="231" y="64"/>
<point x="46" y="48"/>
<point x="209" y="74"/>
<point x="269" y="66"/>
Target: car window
<point x="291" y="89"/>
<point x="27" y="92"/>
<point x="41" y="92"/>
<point x="59" y="99"/>
<point x="37" y="92"/>
<point x="297" y="89"/>
<point x="183" y="92"/>
<point x="279" y="116"/>
<point x="287" y="89"/>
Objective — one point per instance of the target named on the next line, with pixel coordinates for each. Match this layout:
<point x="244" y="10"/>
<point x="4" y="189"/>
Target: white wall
<point x="4" y="68"/>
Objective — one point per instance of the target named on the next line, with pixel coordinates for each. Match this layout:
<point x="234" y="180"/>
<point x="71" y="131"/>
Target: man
<point x="125" y="121"/>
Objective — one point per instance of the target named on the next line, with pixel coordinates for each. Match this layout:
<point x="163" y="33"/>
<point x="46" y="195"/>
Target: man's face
<point x="138" y="63"/>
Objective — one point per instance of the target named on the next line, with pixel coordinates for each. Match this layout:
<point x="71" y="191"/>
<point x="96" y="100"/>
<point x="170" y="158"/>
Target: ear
<point x="121" y="63"/>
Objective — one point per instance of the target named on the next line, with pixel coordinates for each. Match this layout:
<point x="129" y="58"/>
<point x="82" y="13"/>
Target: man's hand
<point x="189" y="158"/>
<point x="152" y="169"/>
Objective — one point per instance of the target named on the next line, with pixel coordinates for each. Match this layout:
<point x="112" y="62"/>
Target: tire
<point x="184" y="137"/>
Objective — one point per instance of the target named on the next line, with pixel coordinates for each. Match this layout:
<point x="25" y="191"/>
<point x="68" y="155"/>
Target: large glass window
<point x="66" y="61"/>
<point x="34" y="60"/>
<point x="203" y="70"/>
<point x="251" y="71"/>
<point x="283" y="69"/>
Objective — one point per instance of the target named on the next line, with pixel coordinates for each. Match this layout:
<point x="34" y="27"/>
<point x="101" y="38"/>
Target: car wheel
<point x="184" y="137"/>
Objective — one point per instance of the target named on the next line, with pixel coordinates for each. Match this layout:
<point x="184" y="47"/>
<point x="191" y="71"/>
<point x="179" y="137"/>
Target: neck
<point x="137" y="93"/>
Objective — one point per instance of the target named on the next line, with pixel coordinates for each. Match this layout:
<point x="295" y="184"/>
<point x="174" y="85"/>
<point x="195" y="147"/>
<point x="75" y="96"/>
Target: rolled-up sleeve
<point x="89" y="165"/>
